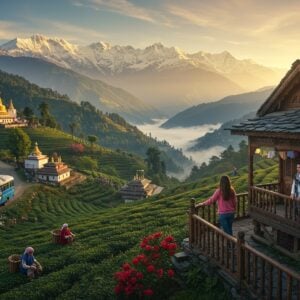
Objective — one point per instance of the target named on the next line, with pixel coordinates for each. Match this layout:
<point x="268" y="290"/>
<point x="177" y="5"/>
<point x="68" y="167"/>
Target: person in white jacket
<point x="295" y="191"/>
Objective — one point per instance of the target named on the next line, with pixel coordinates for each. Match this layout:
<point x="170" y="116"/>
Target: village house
<point x="139" y="188"/>
<point x="54" y="172"/>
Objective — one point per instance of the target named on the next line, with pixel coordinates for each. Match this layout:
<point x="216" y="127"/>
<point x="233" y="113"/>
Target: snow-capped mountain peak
<point x="105" y="59"/>
<point x="38" y="44"/>
<point x="101" y="46"/>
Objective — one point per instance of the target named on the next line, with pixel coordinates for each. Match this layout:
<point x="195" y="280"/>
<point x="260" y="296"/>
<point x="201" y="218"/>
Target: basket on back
<point x="14" y="261"/>
<point x="56" y="236"/>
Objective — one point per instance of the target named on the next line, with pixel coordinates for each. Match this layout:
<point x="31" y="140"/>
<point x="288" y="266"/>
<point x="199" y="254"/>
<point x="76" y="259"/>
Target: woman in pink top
<point x="226" y="198"/>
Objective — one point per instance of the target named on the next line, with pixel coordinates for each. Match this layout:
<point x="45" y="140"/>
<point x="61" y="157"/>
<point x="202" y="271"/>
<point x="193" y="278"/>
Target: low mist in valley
<point x="183" y="138"/>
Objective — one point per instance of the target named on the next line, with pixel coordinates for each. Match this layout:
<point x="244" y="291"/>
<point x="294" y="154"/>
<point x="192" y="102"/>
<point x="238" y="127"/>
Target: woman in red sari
<point x="66" y="236"/>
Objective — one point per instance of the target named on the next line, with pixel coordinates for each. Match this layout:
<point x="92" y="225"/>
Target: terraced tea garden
<point x="105" y="237"/>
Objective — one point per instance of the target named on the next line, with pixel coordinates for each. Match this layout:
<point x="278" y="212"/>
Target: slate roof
<point x="277" y="122"/>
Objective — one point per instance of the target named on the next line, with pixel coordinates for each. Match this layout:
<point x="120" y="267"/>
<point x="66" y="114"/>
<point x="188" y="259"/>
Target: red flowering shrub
<point x="148" y="271"/>
<point x="77" y="148"/>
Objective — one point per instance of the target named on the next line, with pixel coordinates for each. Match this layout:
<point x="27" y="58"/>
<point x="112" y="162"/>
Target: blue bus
<point x="7" y="188"/>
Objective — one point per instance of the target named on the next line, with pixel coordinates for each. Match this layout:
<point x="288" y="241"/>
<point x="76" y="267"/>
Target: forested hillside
<point x="222" y="136"/>
<point x="111" y="130"/>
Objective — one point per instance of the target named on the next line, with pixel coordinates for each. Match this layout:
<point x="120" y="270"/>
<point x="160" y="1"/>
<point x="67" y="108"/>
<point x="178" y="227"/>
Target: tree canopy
<point x="19" y="143"/>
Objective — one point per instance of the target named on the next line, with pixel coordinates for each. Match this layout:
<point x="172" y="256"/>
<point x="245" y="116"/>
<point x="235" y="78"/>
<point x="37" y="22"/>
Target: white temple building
<point x="36" y="160"/>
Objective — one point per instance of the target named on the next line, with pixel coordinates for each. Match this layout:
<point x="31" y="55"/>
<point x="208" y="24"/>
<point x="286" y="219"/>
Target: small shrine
<point x="35" y="160"/>
<point x="139" y="188"/>
<point x="8" y="116"/>
<point x="54" y="172"/>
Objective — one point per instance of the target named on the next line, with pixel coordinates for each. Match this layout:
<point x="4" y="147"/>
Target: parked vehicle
<point x="7" y="188"/>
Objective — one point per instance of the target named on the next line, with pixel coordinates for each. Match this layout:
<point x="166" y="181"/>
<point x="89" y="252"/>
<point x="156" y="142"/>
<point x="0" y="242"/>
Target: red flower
<point x="150" y="269"/>
<point x="128" y="290"/>
<point x="172" y="246"/>
<point x="139" y="275"/>
<point x="156" y="248"/>
<point x="133" y="280"/>
<point x="160" y="273"/>
<point x="148" y="248"/>
<point x="171" y="273"/>
<point x="126" y="267"/>
<point x="164" y="245"/>
<point x="169" y="239"/>
<point x="135" y="261"/>
<point x="141" y="256"/>
<point x="157" y="235"/>
<point x="155" y="256"/>
<point x="148" y="292"/>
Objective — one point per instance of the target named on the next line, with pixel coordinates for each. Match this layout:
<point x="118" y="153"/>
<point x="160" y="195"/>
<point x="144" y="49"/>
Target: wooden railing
<point x="263" y="276"/>
<point x="266" y="277"/>
<point x="270" y="201"/>
<point x="269" y="186"/>
<point x="209" y="213"/>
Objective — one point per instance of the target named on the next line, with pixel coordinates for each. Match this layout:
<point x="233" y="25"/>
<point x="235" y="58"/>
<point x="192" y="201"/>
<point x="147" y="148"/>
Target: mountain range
<point x="224" y="110"/>
<point x="166" y="77"/>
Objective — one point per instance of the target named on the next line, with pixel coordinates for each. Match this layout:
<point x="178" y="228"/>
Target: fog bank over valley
<point x="184" y="137"/>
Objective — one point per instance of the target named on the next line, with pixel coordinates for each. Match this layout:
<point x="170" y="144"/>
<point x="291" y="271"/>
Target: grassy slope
<point x="51" y="140"/>
<point x="106" y="237"/>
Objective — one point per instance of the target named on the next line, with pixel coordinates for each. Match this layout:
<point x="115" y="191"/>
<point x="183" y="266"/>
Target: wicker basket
<point x="56" y="236"/>
<point x="14" y="261"/>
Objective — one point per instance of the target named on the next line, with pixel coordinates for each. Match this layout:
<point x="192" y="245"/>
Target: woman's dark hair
<point x="226" y="188"/>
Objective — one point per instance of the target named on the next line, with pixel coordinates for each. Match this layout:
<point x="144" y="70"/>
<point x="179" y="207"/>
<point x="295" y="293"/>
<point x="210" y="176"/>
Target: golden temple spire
<point x="11" y="106"/>
<point x="36" y="151"/>
<point x="2" y="106"/>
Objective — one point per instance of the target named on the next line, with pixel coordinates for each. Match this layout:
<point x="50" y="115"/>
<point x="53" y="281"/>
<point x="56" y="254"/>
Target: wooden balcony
<point x="250" y="266"/>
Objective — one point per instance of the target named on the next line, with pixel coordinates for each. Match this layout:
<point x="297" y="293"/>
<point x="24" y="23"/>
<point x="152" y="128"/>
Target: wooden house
<point x="255" y="271"/>
<point x="139" y="188"/>
<point x="277" y="126"/>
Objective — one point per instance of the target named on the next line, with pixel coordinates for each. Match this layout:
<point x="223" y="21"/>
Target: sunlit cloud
<point x="75" y="33"/>
<point x="70" y="32"/>
<point x="9" y="30"/>
<point x="123" y="7"/>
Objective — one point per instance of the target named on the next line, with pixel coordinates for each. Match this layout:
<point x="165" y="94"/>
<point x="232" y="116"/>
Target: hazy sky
<point x="267" y="31"/>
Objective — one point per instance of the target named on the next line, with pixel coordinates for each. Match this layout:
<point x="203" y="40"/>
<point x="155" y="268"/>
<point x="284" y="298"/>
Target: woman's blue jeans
<point x="226" y="221"/>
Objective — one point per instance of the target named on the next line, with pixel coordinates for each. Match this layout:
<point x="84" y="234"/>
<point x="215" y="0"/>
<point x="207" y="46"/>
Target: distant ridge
<point x="221" y="111"/>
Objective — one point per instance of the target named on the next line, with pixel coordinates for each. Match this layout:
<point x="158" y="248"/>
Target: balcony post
<point x="191" y="223"/>
<point x="240" y="257"/>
